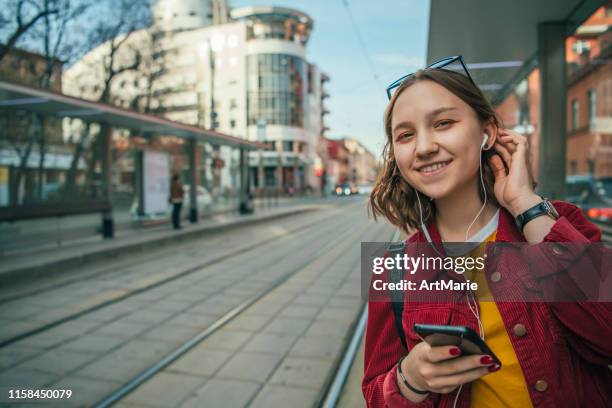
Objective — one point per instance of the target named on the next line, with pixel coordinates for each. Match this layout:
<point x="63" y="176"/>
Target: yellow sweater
<point x="506" y="387"/>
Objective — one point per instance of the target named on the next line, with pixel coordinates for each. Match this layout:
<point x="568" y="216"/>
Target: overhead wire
<point x="363" y="46"/>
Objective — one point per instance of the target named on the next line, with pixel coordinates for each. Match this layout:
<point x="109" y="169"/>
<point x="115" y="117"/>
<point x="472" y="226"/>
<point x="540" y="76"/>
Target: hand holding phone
<point x="443" y="368"/>
<point x="463" y="337"/>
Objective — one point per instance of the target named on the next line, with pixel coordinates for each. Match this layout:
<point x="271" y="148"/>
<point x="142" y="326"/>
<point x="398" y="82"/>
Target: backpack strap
<point x="397" y="296"/>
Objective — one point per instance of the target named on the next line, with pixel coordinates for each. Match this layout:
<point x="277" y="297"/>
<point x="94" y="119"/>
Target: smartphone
<point x="463" y="337"/>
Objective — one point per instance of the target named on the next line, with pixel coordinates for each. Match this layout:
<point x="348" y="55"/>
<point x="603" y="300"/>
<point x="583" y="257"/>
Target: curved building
<point x="247" y="76"/>
<point x="283" y="95"/>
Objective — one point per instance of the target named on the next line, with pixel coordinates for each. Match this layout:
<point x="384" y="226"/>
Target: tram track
<point x="181" y="274"/>
<point x="180" y="351"/>
<point x="336" y="388"/>
<point x="104" y="270"/>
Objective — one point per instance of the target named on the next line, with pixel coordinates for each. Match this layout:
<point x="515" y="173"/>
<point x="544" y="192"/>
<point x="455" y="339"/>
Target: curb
<point x="57" y="266"/>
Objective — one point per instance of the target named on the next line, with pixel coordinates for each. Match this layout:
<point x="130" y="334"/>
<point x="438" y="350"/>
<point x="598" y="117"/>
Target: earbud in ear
<point x="484" y="140"/>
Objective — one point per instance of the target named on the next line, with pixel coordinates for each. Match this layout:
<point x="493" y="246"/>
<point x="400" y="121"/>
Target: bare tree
<point x="48" y="27"/>
<point x="57" y="46"/>
<point x="47" y="33"/>
<point x="19" y="16"/>
<point x="113" y="33"/>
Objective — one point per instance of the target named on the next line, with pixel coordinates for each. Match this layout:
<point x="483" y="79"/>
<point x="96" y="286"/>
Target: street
<point x="253" y="296"/>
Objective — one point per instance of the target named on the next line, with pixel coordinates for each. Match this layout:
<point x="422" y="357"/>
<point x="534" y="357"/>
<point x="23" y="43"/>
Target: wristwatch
<point x="544" y="207"/>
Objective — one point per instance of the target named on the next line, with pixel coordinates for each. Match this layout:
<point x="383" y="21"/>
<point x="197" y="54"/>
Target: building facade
<point x="589" y="100"/>
<point x="242" y="72"/>
<point x="347" y="161"/>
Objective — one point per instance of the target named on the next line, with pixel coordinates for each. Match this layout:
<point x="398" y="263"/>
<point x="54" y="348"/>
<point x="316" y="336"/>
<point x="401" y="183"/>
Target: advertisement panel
<point x="156" y="181"/>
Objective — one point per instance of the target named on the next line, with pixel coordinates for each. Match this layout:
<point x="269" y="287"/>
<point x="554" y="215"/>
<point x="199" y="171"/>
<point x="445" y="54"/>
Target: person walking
<point x="176" y="198"/>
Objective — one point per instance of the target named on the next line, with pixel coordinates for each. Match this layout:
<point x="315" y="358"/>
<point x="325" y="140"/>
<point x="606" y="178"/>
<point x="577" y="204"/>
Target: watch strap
<point x="544" y="207"/>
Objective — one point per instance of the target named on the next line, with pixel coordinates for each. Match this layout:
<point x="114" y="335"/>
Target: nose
<point x="425" y="145"/>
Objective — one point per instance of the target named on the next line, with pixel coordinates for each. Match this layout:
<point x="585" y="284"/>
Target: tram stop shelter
<point x="48" y="104"/>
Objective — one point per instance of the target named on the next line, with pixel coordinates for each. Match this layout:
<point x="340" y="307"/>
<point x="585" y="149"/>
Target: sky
<point x="394" y="33"/>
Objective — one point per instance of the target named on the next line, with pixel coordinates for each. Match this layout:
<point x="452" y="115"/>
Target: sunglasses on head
<point x="453" y="63"/>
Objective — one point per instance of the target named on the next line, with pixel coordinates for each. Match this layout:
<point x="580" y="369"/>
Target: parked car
<point x="592" y="195"/>
<point x="203" y="200"/>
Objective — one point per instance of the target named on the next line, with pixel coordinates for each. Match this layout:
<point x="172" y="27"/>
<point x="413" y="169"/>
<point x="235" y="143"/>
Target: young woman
<point x="440" y="130"/>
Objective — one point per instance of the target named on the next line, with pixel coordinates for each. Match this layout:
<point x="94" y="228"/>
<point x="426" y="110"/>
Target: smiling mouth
<point x="434" y="168"/>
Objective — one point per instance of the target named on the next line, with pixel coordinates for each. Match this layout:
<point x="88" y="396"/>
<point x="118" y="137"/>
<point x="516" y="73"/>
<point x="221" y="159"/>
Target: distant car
<point x="345" y="189"/>
<point x="203" y="200"/>
<point x="592" y="195"/>
<point x="365" y="189"/>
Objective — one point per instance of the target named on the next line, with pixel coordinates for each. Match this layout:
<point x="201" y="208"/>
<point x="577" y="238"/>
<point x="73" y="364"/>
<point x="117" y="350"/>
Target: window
<point x="276" y="89"/>
<point x="575" y="112"/>
<point x="574" y="167"/>
<point x="287" y="145"/>
<point x="270" y="176"/>
<point x="592" y="98"/>
<point x="309" y="79"/>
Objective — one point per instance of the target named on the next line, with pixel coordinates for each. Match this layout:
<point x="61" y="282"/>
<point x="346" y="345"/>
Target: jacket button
<point x="541" y="385"/>
<point x="495" y="277"/>
<point x="519" y="330"/>
<point x="495" y="251"/>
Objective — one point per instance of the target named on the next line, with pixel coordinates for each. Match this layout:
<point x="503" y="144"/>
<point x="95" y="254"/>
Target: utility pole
<point x="213" y="113"/>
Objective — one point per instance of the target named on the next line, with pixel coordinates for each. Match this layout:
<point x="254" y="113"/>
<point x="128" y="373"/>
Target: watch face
<point x="550" y="209"/>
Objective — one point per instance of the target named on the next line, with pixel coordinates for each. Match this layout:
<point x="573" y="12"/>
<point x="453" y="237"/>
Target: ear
<point x="491" y="130"/>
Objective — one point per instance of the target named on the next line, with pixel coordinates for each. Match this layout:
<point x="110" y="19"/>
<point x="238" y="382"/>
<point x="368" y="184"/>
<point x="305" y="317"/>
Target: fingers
<point x="446" y="384"/>
<point x="456" y="365"/>
<point x="518" y="165"/>
<point x="511" y="140"/>
<point x="445" y="375"/>
<point x="504" y="153"/>
<point x="497" y="165"/>
<point x="441" y="353"/>
<point x="513" y="149"/>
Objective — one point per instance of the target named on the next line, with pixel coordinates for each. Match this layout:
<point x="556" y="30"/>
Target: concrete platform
<point x="28" y="265"/>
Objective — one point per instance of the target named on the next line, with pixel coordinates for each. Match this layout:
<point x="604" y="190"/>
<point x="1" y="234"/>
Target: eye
<point x="404" y="135"/>
<point x="443" y="123"/>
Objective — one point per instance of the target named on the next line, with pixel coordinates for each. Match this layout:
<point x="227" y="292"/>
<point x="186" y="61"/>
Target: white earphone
<point x="472" y="302"/>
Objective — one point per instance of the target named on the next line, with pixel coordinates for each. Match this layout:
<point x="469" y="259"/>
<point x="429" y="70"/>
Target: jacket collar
<point x="507" y="230"/>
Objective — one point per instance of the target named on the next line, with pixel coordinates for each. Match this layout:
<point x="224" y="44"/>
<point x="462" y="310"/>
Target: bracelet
<point x="410" y="387"/>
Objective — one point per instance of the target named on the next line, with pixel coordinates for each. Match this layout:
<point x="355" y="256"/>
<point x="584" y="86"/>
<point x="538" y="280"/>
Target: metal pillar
<point x="138" y="170"/>
<point x="245" y="192"/>
<point x="193" y="178"/>
<point x="306" y="177"/>
<point x="552" y="146"/>
<point x="279" y="172"/>
<point x="261" y="177"/>
<point x="108" y="226"/>
<point x="296" y="178"/>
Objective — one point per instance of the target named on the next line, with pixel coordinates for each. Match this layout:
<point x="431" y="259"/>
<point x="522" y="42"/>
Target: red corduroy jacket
<point x="564" y="353"/>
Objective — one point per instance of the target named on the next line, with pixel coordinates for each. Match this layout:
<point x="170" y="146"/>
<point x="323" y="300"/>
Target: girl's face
<point x="436" y="139"/>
